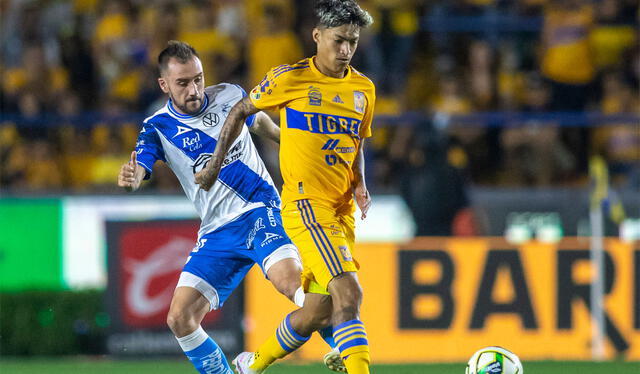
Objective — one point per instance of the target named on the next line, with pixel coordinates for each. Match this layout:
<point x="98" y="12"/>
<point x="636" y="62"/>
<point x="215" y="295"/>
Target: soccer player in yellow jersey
<point x="326" y="108"/>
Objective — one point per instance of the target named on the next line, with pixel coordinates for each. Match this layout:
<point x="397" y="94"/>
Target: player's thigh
<point x="323" y="246"/>
<point x="188" y="303"/>
<point x="215" y="277"/>
<point x="345" y="290"/>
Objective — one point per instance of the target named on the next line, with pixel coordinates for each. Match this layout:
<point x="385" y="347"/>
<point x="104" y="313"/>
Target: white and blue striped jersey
<point x="186" y="144"/>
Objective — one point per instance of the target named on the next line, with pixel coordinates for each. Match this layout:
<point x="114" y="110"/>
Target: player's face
<point x="336" y="46"/>
<point x="185" y="85"/>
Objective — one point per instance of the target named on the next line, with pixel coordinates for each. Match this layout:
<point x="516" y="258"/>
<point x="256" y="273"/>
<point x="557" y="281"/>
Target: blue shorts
<point x="222" y="258"/>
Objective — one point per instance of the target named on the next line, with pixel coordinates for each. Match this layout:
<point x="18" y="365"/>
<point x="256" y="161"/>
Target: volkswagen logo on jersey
<point x="211" y="120"/>
<point x="201" y="162"/>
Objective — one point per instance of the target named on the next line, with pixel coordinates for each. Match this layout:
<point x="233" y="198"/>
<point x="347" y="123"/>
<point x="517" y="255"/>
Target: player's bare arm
<point x="265" y="127"/>
<point x="131" y="174"/>
<point x="360" y="192"/>
<point x="230" y="131"/>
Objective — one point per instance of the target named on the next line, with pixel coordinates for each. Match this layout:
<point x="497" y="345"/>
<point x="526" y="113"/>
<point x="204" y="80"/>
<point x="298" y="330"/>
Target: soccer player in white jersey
<point x="241" y="222"/>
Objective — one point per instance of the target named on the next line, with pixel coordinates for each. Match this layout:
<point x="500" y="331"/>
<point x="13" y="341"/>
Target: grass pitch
<point x="163" y="366"/>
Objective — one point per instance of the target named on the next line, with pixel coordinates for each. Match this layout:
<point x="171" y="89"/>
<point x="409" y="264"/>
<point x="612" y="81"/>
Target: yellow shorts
<point x="325" y="240"/>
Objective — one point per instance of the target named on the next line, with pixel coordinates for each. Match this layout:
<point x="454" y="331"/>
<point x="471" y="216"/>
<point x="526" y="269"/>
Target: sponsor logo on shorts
<point x="271" y="217"/>
<point x="252" y="234"/>
<point x="270" y="237"/>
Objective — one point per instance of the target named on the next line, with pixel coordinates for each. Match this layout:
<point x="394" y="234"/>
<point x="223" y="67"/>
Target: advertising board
<point x="144" y="262"/>
<point x="441" y="299"/>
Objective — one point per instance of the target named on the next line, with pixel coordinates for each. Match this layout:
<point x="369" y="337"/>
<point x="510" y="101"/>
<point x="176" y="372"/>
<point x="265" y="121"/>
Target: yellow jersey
<point x="322" y="122"/>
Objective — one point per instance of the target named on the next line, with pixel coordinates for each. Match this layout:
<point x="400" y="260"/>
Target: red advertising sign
<point x="151" y="259"/>
<point x="145" y="261"/>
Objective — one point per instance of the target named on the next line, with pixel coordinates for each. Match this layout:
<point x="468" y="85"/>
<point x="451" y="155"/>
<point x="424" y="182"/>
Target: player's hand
<point x="363" y="199"/>
<point x="206" y="178"/>
<point x="127" y="175"/>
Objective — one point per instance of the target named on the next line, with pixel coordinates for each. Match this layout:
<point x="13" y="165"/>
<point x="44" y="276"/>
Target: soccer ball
<point x="494" y="360"/>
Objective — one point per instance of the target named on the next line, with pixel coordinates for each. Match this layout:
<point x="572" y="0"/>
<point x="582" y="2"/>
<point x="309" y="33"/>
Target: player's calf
<point x="188" y="308"/>
<point x="349" y="332"/>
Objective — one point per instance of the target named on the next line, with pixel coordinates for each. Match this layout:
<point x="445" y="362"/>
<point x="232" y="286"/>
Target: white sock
<point x="193" y="340"/>
<point x="298" y="298"/>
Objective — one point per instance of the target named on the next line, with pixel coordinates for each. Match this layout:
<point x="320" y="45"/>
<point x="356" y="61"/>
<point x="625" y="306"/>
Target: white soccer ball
<point x="494" y="360"/>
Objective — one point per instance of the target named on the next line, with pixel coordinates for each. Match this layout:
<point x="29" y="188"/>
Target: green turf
<point x="162" y="366"/>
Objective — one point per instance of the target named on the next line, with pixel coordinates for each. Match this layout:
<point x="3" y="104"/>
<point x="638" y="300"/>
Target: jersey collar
<point x="314" y="69"/>
<point x="172" y="110"/>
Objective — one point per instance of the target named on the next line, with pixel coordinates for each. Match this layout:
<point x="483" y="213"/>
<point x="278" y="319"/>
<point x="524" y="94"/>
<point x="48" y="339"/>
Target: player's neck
<point x="328" y="72"/>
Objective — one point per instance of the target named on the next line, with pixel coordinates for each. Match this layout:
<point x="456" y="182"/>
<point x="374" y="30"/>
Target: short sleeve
<point x="148" y="148"/>
<point x="365" y="127"/>
<point x="270" y="93"/>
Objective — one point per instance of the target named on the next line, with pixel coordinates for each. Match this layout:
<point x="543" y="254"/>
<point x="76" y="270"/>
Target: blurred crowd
<point x="78" y="75"/>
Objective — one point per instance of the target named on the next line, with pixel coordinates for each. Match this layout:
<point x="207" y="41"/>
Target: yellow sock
<point x="357" y="363"/>
<point x="268" y="352"/>
<point x="351" y="340"/>
<point x="284" y="341"/>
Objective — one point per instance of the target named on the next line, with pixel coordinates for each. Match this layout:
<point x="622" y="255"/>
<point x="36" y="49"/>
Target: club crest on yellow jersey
<point x="315" y="96"/>
<point x="346" y="254"/>
<point x="358" y="101"/>
<point x="255" y="93"/>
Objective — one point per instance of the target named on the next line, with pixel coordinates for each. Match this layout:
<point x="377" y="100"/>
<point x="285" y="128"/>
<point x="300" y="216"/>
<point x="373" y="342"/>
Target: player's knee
<point x="287" y="284"/>
<point x="287" y="287"/>
<point x="285" y="276"/>
<point x="181" y="322"/>
<point x="309" y="320"/>
<point x="322" y="319"/>
<point x="345" y="313"/>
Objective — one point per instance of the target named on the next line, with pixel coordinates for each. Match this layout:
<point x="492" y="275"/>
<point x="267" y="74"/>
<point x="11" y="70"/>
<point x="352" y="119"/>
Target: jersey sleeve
<point x="148" y="148"/>
<point x="252" y="118"/>
<point x="365" y="128"/>
<point x="270" y="93"/>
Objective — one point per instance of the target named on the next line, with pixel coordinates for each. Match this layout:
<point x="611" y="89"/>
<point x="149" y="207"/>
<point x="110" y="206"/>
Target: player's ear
<point x="315" y="34"/>
<point x="163" y="85"/>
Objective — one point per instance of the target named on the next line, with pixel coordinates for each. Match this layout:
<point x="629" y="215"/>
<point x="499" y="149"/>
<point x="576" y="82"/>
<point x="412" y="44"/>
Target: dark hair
<point x="182" y="51"/>
<point x="334" y="13"/>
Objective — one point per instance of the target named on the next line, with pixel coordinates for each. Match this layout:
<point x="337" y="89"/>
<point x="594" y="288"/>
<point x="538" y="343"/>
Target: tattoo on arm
<point x="231" y="129"/>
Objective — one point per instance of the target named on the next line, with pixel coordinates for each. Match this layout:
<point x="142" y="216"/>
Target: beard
<point x="184" y="107"/>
